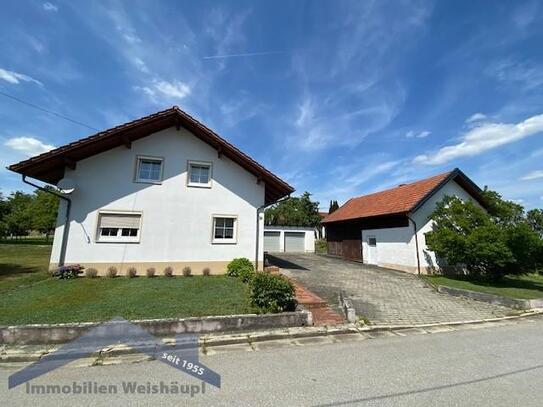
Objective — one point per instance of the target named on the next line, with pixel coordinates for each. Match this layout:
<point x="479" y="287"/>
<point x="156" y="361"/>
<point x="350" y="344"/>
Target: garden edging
<point x="61" y="333"/>
<point x="492" y="298"/>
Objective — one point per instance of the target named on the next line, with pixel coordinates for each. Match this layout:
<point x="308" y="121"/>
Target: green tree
<point x="43" y="211"/>
<point x="19" y="218"/>
<point x="4" y="210"/>
<point x="534" y="218"/>
<point x="294" y="211"/>
<point x="505" y="213"/>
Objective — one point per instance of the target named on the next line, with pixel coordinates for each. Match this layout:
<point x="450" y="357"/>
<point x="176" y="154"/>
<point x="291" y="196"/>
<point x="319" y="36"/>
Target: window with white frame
<point x="118" y="227"/>
<point x="199" y="174"/>
<point x="149" y="169"/>
<point x="224" y="229"/>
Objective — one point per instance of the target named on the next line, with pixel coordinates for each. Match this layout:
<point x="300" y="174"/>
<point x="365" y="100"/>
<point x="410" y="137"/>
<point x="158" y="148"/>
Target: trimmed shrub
<point x="151" y="272"/>
<point x="233" y="268"/>
<point x="131" y="272"/>
<point x="112" y="272"/>
<point x="168" y="272"/>
<point x="68" y="272"/>
<point x="187" y="271"/>
<point x="91" y="273"/>
<point x="246" y="274"/>
<point x="272" y="293"/>
<point x="206" y="271"/>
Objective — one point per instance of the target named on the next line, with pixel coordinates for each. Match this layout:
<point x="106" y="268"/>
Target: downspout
<point x="416" y="242"/>
<point x="258" y="228"/>
<point x="63" y="243"/>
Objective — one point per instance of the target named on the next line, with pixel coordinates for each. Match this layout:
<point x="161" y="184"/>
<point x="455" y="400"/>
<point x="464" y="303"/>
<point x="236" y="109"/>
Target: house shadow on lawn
<point x="283" y="263"/>
<point x="8" y="270"/>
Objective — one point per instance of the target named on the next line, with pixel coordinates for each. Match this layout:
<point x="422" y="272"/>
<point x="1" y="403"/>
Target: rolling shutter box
<point x="118" y="220"/>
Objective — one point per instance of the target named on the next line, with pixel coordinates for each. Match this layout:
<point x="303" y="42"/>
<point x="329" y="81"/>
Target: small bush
<point x="91" y="272"/>
<point x="68" y="272"/>
<point x="187" y="271"/>
<point x="246" y="274"/>
<point x="206" y="271"/>
<point x="272" y="293"/>
<point x="168" y="272"/>
<point x="112" y="272"/>
<point x="233" y="268"/>
<point x="151" y="272"/>
<point x="131" y="272"/>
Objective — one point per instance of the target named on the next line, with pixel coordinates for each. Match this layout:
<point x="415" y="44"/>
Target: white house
<point x="388" y="228"/>
<point x="163" y="190"/>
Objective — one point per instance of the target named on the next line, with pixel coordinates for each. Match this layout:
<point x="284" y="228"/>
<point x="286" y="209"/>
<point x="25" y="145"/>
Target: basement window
<point x="118" y="227"/>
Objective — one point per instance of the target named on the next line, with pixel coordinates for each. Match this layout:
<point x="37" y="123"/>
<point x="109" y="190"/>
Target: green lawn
<point x="29" y="295"/>
<point x="22" y="264"/>
<point x="523" y="287"/>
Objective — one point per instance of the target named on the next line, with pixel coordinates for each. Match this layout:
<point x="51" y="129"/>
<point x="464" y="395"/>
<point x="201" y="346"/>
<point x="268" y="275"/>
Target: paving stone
<point x="385" y="297"/>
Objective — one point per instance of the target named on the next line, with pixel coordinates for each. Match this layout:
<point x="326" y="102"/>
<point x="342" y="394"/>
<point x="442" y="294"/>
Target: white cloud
<point x="50" y="7"/>
<point x="161" y="88"/>
<point x="16" y="78"/>
<point x="413" y="134"/>
<point x="142" y="66"/>
<point x="476" y="117"/>
<point x="525" y="74"/>
<point x="29" y="146"/>
<point x="484" y="137"/>
<point x="533" y="175"/>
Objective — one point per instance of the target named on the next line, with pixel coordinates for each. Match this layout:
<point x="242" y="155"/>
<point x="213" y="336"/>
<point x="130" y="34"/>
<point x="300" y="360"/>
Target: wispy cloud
<point x="246" y="54"/>
<point x="50" y="7"/>
<point x="29" y="146"/>
<point x="538" y="174"/>
<point x="484" y="137"/>
<point x="170" y="90"/>
<point x="16" y="78"/>
<point x="414" y="134"/>
<point x="476" y="117"/>
<point x="526" y="74"/>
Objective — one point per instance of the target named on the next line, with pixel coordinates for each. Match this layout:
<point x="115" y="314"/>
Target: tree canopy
<point x="294" y="211"/>
<point x="487" y="243"/>
<point x="21" y="213"/>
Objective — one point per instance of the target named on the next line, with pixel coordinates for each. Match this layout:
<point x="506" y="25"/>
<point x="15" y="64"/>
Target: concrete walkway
<point x="384" y="297"/>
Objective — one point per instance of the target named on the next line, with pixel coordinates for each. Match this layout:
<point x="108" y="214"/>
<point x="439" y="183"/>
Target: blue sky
<point x="339" y="98"/>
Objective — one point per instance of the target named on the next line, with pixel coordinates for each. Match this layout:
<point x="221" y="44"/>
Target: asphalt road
<point x="491" y="366"/>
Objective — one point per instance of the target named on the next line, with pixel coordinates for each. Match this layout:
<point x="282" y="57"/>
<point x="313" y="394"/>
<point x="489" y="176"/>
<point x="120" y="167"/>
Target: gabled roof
<point x="49" y="167"/>
<point x="402" y="199"/>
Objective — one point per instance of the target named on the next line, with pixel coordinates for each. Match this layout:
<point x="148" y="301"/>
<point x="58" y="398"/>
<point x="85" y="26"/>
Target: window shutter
<point x="117" y="220"/>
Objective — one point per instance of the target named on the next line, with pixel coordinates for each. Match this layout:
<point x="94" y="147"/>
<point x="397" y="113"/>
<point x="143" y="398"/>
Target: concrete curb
<point x="28" y="353"/>
<point x="493" y="298"/>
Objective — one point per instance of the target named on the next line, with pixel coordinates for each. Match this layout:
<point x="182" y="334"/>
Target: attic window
<point x="199" y="174"/>
<point x="149" y="169"/>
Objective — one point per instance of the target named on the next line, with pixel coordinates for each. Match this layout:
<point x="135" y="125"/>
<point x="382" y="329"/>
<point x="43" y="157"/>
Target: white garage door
<point x="294" y="241"/>
<point x="272" y="242"/>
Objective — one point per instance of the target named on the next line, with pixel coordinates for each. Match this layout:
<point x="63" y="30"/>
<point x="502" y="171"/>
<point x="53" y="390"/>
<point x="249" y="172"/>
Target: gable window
<point x="199" y="174"/>
<point x="224" y="229"/>
<point x="120" y="227"/>
<point x="149" y="169"/>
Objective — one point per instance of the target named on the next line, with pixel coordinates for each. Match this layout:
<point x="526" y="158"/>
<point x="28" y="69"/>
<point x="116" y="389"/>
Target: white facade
<point x="396" y="247"/>
<point x="284" y="233"/>
<point x="176" y="218"/>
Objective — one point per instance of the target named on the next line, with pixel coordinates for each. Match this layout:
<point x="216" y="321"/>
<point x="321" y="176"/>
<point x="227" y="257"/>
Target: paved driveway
<point x="383" y="296"/>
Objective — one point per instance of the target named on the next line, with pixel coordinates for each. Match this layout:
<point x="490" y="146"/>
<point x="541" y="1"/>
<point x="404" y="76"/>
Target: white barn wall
<point x="177" y="220"/>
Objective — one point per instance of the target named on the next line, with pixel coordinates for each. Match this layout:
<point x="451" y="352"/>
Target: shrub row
<point x="268" y="292"/>
<point x="74" y="270"/>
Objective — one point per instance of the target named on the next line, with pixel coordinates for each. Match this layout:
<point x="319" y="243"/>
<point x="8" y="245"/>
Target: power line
<point x="47" y="111"/>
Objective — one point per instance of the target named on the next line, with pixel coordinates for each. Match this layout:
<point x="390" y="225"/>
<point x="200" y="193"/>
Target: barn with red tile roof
<point x="387" y="228"/>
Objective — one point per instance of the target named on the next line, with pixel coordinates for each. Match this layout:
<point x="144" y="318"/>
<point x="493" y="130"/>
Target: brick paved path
<point x="385" y="297"/>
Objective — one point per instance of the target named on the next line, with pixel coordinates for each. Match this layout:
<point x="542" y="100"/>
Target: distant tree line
<point x="489" y="244"/>
<point x="22" y="213"/>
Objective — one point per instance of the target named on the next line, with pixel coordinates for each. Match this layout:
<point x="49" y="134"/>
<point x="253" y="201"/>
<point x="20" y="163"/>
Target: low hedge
<point x="272" y="293"/>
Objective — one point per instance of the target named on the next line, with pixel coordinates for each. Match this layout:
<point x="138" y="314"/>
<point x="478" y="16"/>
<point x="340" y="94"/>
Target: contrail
<point x="247" y="54"/>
